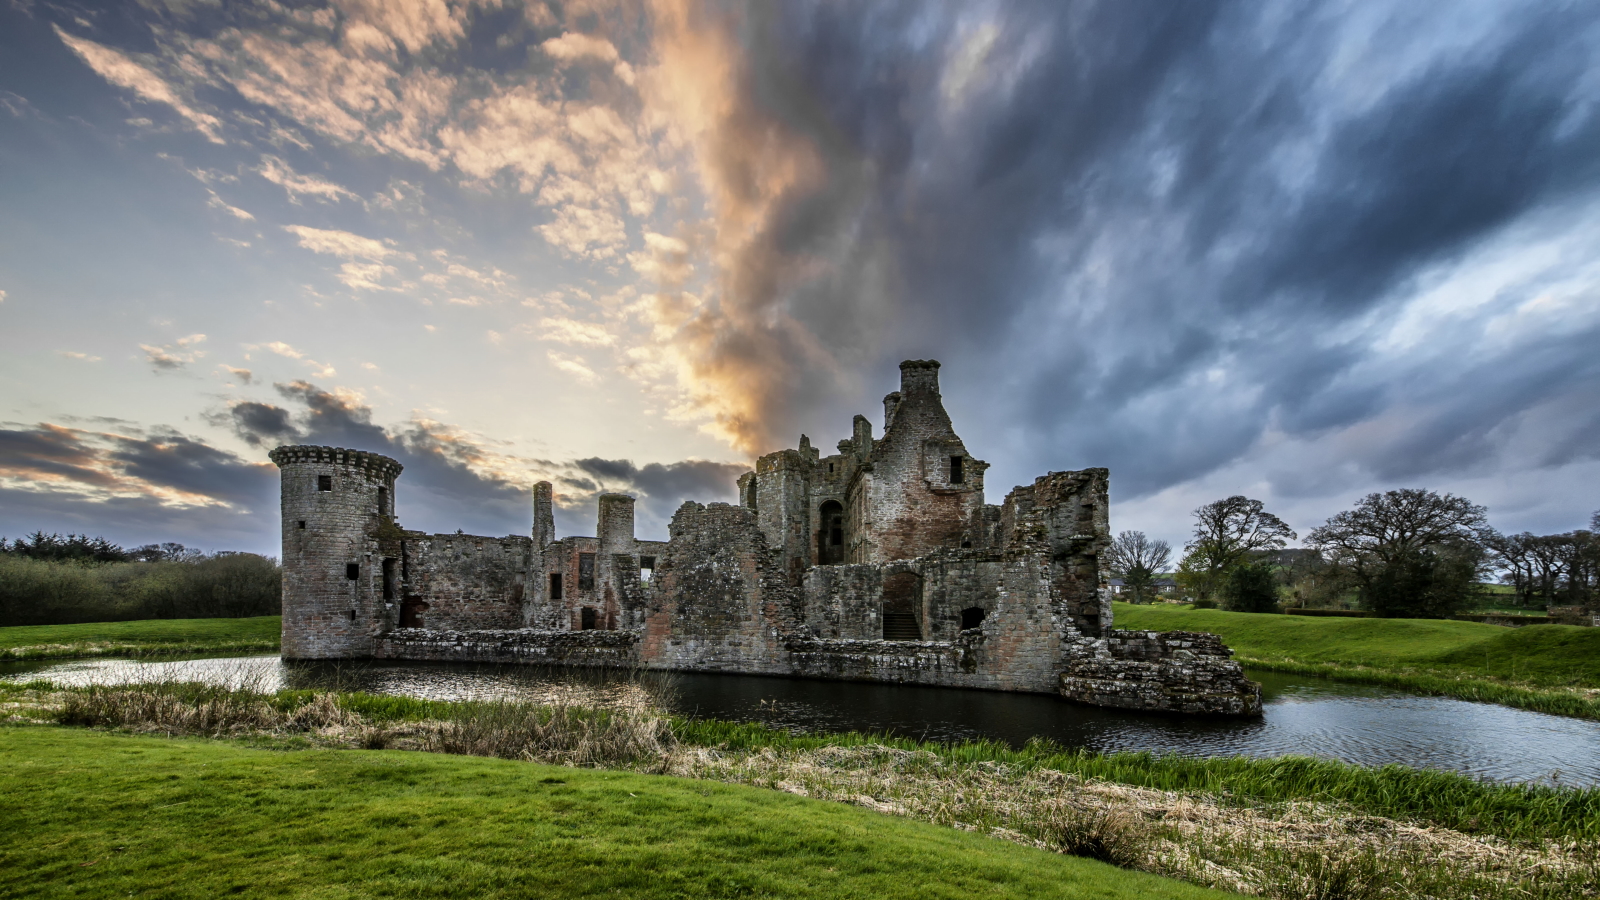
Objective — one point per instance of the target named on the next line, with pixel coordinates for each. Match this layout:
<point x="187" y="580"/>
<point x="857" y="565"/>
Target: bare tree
<point x="1410" y="551"/>
<point x="1137" y="559"/>
<point x="1226" y="534"/>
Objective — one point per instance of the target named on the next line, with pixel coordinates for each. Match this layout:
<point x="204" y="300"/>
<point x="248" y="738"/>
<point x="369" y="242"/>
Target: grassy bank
<point x="1279" y="828"/>
<point x="149" y="637"/>
<point x="1549" y="668"/>
<point x="93" y="814"/>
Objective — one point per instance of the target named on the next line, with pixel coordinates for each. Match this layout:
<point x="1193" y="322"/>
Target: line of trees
<point x="1409" y="553"/>
<point x="48" y="579"/>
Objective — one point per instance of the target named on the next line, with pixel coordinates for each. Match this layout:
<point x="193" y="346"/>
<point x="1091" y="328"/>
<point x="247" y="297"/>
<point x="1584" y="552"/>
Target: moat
<point x="1354" y="723"/>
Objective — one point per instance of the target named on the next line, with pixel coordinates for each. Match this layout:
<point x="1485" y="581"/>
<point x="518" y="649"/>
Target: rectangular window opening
<point x="324" y="483"/>
<point x="647" y="568"/>
<point x="555" y="586"/>
<point x="957" y="476"/>
<point x="383" y="501"/>
<point x="302" y="524"/>
<point x="352" y="615"/>
<point x="585" y="571"/>
<point x="352" y="571"/>
<point x="388" y="578"/>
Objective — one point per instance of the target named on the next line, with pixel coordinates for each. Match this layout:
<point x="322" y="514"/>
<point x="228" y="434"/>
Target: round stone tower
<point x="338" y="589"/>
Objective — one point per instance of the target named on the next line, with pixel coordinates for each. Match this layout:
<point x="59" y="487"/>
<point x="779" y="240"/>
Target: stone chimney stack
<point x="919" y="376"/>
<point x="616" y="523"/>
<point x="862" y="437"/>
<point x="891" y="402"/>
<point x="544" y="518"/>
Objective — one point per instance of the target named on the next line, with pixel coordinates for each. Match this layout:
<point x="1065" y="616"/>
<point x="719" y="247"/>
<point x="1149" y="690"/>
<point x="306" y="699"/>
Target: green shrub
<point x="1251" y="587"/>
<point x="60" y="592"/>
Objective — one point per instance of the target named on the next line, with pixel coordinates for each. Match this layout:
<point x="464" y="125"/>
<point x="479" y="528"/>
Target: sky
<point x="1300" y="251"/>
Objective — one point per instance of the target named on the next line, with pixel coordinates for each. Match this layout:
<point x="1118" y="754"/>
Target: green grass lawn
<point x="1417" y="653"/>
<point x="146" y="636"/>
<point x="90" y="814"/>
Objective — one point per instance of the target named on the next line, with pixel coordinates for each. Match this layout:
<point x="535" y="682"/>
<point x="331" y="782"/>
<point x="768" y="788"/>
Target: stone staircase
<point x="901" y="627"/>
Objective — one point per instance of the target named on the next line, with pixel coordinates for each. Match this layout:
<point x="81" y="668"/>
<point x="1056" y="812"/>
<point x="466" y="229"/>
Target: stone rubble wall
<point x="720" y="601"/>
<point x="1172" y="671"/>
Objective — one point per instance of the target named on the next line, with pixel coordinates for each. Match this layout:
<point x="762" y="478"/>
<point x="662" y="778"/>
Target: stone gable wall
<point x="468" y="581"/>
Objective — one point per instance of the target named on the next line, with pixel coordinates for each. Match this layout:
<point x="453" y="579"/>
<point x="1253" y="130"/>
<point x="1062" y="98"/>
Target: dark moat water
<point x="1354" y="723"/>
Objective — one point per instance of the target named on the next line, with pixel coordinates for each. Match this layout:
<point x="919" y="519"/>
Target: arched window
<point x="830" y="534"/>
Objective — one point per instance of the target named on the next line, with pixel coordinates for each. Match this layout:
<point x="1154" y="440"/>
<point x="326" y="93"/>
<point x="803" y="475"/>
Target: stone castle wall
<point x="880" y="563"/>
<point x="462" y="581"/>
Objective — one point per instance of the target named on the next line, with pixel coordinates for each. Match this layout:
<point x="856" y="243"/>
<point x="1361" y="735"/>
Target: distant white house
<point x="1163" y="586"/>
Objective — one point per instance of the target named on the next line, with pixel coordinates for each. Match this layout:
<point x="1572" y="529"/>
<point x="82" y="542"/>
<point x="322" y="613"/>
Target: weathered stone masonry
<point x="881" y="562"/>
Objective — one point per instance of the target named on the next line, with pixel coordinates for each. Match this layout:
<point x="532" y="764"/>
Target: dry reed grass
<point x="1287" y="850"/>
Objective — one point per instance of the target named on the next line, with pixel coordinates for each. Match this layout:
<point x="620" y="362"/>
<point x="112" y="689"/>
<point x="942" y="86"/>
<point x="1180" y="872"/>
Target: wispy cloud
<point x="340" y="243"/>
<point x="570" y="331"/>
<point x="174" y="356"/>
<point x="123" y="71"/>
<point x="297" y="185"/>
<point x="73" y="354"/>
<point x="217" y="202"/>
<point x="572" y="364"/>
<point x="319" y="370"/>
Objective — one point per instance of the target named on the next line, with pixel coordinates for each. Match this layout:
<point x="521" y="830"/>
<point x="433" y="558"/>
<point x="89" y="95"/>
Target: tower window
<point x="585" y="571"/>
<point x="352" y="571"/>
<point x="555" y="586"/>
<point x="957" y="475"/>
<point x="302" y="524"/>
<point x="324" y="483"/>
<point x="383" y="500"/>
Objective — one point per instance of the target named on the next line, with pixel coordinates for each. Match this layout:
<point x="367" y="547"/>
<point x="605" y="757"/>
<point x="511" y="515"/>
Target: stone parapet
<point x="610" y="649"/>
<point x="375" y="464"/>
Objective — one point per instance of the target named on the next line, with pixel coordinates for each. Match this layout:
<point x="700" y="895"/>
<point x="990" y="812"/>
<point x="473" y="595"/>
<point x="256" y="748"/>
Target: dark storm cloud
<point x="135" y="521"/>
<point x="262" y="424"/>
<point x="1151" y="232"/>
<point x="447" y="482"/>
<point x="191" y="466"/>
<point x="50" y="453"/>
<point x="133" y="488"/>
<point x="662" y="488"/>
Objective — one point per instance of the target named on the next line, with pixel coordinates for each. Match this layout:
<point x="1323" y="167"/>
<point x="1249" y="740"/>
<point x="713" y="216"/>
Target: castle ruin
<point x="880" y="562"/>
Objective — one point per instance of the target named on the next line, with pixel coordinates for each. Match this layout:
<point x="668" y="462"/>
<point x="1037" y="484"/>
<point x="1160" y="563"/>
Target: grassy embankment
<point x="93" y="814"/>
<point x="1279" y="828"/>
<point x="1548" y="668"/>
<point x="151" y="637"/>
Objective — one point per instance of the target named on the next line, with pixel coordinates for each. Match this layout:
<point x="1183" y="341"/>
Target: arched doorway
<point x="830" y="534"/>
<point x="902" y="599"/>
